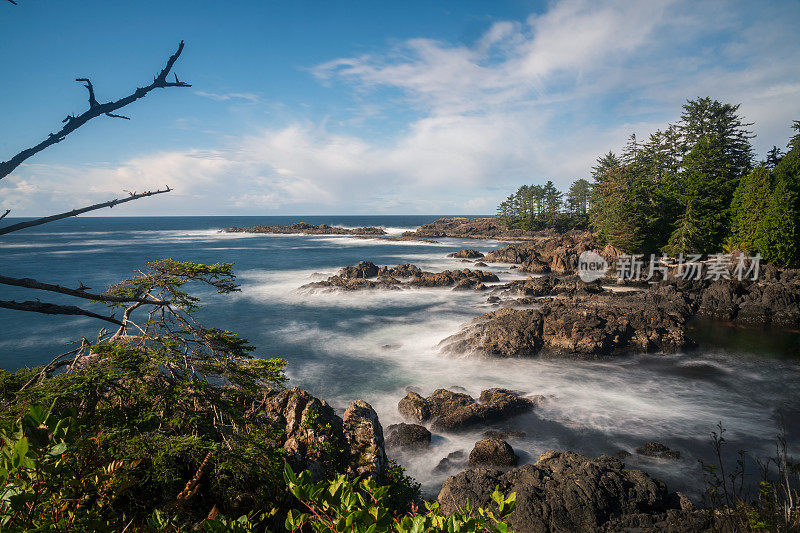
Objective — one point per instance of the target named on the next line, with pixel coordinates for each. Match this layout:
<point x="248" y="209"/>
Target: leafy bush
<point x="343" y="504"/>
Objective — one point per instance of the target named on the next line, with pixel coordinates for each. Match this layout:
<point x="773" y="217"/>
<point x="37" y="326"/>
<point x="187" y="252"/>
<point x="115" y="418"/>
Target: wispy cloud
<point x="529" y="100"/>
<point x="248" y="97"/>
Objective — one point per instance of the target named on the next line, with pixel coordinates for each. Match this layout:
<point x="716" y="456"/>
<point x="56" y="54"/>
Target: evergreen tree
<point x="774" y="157"/>
<point x="749" y="204"/>
<point x="552" y="198"/>
<point x="604" y="163"/>
<point x="705" y="117"/>
<point x="689" y="235"/>
<point x="707" y="184"/>
<point x="621" y="211"/>
<point x="778" y="230"/>
<point x="578" y="197"/>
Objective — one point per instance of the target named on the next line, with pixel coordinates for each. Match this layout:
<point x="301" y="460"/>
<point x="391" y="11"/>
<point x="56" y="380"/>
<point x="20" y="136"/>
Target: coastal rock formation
<point x="545" y="252"/>
<point x="656" y="449"/>
<point x="585" y="327"/>
<point x="364" y="436"/>
<point x="466" y="253"/>
<point x="455" y="411"/>
<point x="773" y="300"/>
<point x="317" y="440"/>
<point x="549" y="285"/>
<point x="562" y="492"/>
<point x="492" y="452"/>
<point x="470" y="228"/>
<point x="407" y="436"/>
<point x="304" y="228"/>
<point x="446" y="278"/>
<point x="367" y="275"/>
<point x="453" y="461"/>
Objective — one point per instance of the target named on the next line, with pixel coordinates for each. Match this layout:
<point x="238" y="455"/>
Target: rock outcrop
<point x="656" y="449"/>
<point x="492" y="453"/>
<point x="407" y="437"/>
<point x="470" y="228"/>
<point x="581" y="327"/>
<point x="364" y="436"/>
<point x="546" y="252"/>
<point x="563" y="492"/>
<point x="304" y="228"/>
<point x="317" y="440"/>
<point x="367" y="275"/>
<point x="466" y="253"/>
<point x="455" y="411"/>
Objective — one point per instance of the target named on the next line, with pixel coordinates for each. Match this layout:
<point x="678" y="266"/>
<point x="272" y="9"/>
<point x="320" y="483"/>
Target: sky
<point x="303" y="108"/>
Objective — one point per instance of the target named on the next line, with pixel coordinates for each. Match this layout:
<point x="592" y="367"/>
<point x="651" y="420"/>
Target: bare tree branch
<point x="71" y="123"/>
<point x="13" y="2"/>
<point x="54" y="309"/>
<point x="80" y="292"/>
<point x="4" y="214"/>
<point x="75" y="212"/>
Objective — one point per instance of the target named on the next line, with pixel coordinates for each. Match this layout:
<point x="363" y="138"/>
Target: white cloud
<point x="249" y="97"/>
<point x="528" y="101"/>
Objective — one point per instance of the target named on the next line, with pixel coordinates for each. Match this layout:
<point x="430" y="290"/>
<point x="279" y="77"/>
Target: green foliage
<point x="342" y="504"/>
<point x="536" y="207"/>
<point x="765" y="212"/>
<point x="169" y="417"/>
<point x="54" y="480"/>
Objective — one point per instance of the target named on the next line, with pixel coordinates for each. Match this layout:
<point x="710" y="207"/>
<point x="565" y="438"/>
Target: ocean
<point x="377" y="345"/>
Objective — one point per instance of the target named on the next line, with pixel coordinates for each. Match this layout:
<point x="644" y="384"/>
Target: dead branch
<point x="54" y="309"/>
<point x="80" y="292"/>
<point x="4" y="214"/>
<point x="72" y="122"/>
<point x="13" y="2"/>
<point x="75" y="212"/>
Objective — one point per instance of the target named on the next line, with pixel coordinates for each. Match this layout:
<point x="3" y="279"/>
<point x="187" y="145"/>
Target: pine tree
<point x="578" y="197"/>
<point x="604" y="163"/>
<point x="749" y="204"/>
<point x="705" y="117"/>
<point x="778" y="231"/>
<point x="689" y="236"/>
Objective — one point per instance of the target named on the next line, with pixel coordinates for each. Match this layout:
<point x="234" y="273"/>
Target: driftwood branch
<point x="13" y="2"/>
<point x="80" y="292"/>
<point x="54" y="309"/>
<point x="4" y="214"/>
<point x="72" y="122"/>
<point x="75" y="212"/>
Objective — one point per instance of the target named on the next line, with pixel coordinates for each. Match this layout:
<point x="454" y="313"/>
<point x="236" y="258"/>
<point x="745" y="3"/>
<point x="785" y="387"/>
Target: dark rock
<point x="454" y="411"/>
<point x="364" y="437"/>
<point x="504" y="434"/>
<point x="453" y="460"/>
<point x="466" y="253"/>
<point x="408" y="436"/>
<point x="656" y="449"/>
<point x="580" y="326"/>
<point x="364" y="269"/>
<point x="307" y="229"/>
<point x="471" y="228"/>
<point x="492" y="452"/>
<point x="480" y="264"/>
<point x="317" y="440"/>
<point x="492" y="299"/>
<point x="562" y="491"/>
<point x="622" y="454"/>
<point x="452" y="277"/>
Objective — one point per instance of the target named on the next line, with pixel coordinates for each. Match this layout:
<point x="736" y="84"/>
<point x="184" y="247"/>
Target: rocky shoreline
<point x="552" y="313"/>
<point x="561" y="491"/>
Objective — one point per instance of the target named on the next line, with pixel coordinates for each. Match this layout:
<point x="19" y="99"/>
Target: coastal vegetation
<point x="693" y="187"/>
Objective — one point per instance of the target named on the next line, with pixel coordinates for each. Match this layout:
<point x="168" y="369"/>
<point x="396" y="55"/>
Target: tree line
<point x="694" y="187"/>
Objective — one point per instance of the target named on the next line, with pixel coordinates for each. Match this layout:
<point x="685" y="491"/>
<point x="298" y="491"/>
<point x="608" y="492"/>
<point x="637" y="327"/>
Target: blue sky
<point x="369" y="107"/>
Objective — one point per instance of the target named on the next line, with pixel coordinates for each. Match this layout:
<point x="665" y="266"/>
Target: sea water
<point x="379" y="344"/>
